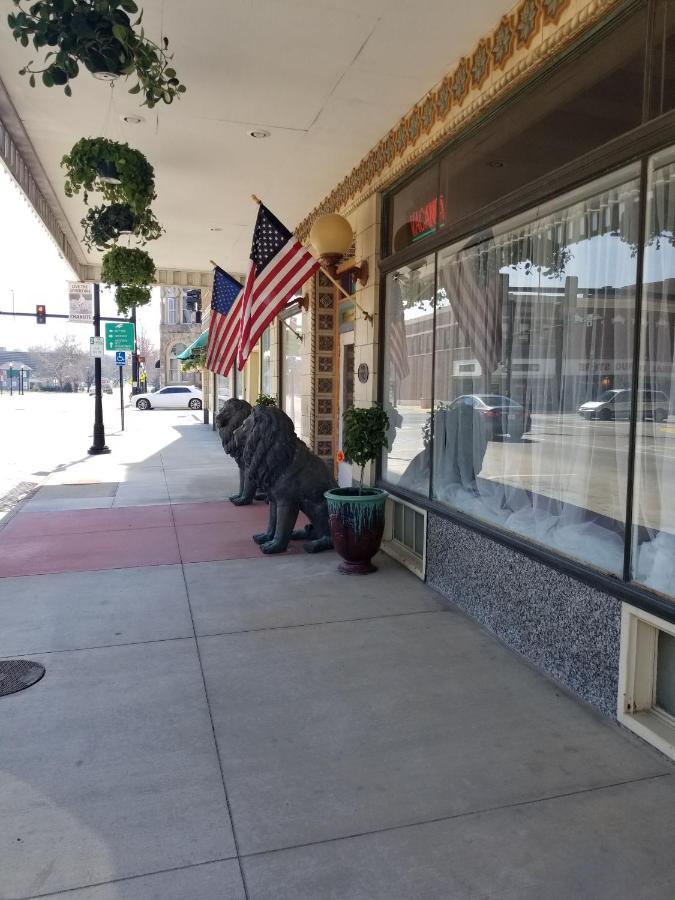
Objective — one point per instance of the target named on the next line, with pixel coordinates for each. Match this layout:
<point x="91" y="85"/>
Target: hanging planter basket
<point x="98" y="35"/>
<point x="116" y="171"/>
<point x="131" y="272"/>
<point x="104" y="225"/>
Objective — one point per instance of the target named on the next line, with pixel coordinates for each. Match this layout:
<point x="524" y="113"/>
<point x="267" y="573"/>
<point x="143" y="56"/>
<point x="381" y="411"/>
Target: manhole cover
<point x="17" y="674"/>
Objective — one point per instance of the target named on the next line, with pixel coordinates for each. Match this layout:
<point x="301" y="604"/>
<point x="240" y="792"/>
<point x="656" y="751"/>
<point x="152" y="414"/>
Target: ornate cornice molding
<point x="523" y="41"/>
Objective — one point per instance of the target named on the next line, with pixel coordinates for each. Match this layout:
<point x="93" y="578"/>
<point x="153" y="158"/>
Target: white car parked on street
<point x="174" y="396"/>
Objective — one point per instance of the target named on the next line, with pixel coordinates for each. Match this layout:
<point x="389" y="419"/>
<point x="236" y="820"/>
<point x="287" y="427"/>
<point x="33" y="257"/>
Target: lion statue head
<point x="230" y="417"/>
<point x="269" y="442"/>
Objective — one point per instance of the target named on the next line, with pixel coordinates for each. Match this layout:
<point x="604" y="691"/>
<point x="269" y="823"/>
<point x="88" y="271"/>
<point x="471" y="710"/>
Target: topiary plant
<point x="84" y="164"/>
<point x="266" y="400"/>
<point x="132" y="272"/>
<point x="99" y="35"/>
<point x="364" y="435"/>
<point x="104" y="225"/>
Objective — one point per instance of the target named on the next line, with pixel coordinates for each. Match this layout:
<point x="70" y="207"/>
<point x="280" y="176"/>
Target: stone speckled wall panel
<point x="566" y="628"/>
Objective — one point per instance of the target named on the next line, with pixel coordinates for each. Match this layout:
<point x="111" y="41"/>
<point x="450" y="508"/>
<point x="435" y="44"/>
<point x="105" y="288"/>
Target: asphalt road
<point x="576" y="461"/>
<point x="42" y="432"/>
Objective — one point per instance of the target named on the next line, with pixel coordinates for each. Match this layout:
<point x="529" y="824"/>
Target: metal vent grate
<point x="405" y="534"/>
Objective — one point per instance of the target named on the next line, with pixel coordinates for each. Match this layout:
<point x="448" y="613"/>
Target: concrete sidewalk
<point x="218" y="724"/>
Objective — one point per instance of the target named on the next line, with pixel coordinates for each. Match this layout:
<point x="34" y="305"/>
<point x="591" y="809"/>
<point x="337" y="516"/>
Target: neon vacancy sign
<point x="425" y="219"/>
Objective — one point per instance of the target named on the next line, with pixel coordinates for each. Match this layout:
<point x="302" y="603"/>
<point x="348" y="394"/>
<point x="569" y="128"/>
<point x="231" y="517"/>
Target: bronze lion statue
<point x="232" y="414"/>
<point x="278" y="462"/>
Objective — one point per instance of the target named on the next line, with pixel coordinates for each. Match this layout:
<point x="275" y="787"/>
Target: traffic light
<point x="41" y="314"/>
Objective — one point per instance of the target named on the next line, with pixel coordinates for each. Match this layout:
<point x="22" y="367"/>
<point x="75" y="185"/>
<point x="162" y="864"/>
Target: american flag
<point x="398" y="341"/>
<point x="224" y="324"/>
<point x="279" y="266"/>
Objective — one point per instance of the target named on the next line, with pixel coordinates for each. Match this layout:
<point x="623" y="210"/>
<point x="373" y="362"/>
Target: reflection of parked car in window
<point x="503" y="417"/>
<point x="616" y="404"/>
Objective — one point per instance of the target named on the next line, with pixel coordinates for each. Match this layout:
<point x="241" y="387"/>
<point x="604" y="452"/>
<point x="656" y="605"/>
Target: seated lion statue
<point x="278" y="462"/>
<point x="232" y="414"/>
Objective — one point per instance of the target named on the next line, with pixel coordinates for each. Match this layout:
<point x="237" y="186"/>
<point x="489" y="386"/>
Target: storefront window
<point x="408" y="359"/>
<point x="534" y="337"/>
<point x="265" y="363"/>
<point x="292" y="368"/>
<point x="654" y="497"/>
<point x="414" y="211"/>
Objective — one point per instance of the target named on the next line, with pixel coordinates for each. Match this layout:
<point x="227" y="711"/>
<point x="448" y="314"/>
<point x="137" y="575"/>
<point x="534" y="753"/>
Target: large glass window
<point x="654" y="498"/>
<point x="265" y="362"/>
<point x="291" y="328"/>
<point x="408" y="355"/>
<point x="534" y="344"/>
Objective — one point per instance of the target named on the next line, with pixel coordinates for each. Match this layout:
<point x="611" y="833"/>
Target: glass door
<point x="344" y="473"/>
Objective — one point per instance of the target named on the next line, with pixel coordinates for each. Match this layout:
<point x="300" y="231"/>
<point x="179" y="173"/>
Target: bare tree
<point x="62" y="363"/>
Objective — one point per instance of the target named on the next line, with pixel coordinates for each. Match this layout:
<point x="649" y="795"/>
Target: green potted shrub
<point x="98" y="35"/>
<point x="104" y="225"/>
<point x="117" y="171"/>
<point x="196" y="361"/>
<point x="357" y="513"/>
<point x="132" y="272"/>
<point x="265" y="400"/>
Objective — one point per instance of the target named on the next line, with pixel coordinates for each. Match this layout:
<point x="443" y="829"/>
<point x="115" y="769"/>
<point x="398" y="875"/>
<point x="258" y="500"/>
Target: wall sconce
<point x="332" y="236"/>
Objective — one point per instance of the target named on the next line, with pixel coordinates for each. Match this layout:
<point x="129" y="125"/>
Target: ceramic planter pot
<point x="356" y="526"/>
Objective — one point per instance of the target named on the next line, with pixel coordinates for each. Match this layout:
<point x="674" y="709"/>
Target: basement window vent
<point x="405" y="534"/>
<point x="646" y="702"/>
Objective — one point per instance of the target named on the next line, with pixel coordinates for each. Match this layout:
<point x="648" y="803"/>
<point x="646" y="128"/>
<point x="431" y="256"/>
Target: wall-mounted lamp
<point x="332" y="236"/>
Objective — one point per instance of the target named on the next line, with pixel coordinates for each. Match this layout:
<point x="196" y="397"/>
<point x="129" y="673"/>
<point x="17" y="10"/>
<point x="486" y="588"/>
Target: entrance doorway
<point x="344" y="472"/>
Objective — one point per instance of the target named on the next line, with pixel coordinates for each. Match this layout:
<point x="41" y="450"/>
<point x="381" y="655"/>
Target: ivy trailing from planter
<point x="104" y="225"/>
<point x="196" y="361"/>
<point x="266" y="400"/>
<point x="131" y="271"/>
<point x="99" y="35"/>
<point x="92" y="159"/>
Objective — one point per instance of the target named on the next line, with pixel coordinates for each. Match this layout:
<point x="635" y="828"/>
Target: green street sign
<point x="119" y="336"/>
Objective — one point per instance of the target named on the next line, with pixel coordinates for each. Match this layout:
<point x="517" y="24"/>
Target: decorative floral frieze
<point x="480" y="64"/>
<point x="502" y="42"/>
<point x="461" y="97"/>
<point x="527" y="20"/>
<point x="460" y="82"/>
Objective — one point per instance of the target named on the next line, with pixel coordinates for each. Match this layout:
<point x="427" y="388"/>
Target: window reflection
<point x="265" y="363"/>
<point x="408" y="374"/>
<point x="534" y="327"/>
<point x="654" y="499"/>
<point x="292" y="368"/>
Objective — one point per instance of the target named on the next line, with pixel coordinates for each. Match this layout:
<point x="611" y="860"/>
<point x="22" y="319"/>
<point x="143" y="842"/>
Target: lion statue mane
<point x="232" y="414"/>
<point x="294" y="478"/>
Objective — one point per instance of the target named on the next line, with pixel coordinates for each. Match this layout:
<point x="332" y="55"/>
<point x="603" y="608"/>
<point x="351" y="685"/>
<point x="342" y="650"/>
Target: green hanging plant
<point x="93" y="160"/>
<point x="131" y="271"/>
<point x="99" y="35"/>
<point x="196" y="362"/>
<point x="104" y="225"/>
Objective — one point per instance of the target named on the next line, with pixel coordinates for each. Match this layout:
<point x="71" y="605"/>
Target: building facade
<point x="180" y="325"/>
<point x="519" y="225"/>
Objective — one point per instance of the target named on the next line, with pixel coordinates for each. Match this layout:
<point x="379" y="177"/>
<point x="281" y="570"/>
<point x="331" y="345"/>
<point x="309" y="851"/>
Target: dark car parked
<point x="503" y="417"/>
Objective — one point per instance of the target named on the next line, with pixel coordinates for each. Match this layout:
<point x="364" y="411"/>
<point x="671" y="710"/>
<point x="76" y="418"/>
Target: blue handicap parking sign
<point x="120" y="358"/>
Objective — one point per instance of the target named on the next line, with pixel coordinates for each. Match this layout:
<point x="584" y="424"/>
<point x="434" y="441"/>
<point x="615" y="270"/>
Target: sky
<point x="33" y="271"/>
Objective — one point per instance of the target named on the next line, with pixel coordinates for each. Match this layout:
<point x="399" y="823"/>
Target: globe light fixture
<point x="332" y="236"/>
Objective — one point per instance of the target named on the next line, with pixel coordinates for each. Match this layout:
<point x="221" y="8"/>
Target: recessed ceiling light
<point x="132" y="120"/>
<point x="215" y="228"/>
<point x="258" y="133"/>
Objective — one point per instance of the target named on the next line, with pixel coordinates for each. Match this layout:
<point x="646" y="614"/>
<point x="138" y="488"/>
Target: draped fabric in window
<point x="653" y="551"/>
<point x="534" y="346"/>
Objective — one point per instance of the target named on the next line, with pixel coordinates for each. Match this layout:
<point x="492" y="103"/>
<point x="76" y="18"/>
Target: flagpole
<point x="366" y="315"/>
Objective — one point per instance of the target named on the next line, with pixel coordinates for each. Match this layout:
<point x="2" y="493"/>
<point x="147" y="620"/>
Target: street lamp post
<point x="99" y="445"/>
<point x="10" y="374"/>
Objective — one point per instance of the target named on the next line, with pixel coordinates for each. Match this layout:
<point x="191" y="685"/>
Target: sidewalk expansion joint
<point x="180" y="637"/>
<point x="213" y="731"/>
<point x="413" y="612"/>
<point x="122" y="878"/>
<point x="461" y="815"/>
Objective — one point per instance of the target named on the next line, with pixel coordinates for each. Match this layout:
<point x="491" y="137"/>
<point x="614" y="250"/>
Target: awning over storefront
<point x="199" y="344"/>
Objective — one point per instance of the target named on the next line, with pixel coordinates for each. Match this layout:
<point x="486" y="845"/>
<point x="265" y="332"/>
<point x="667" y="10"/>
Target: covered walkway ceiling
<point x="325" y="78"/>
